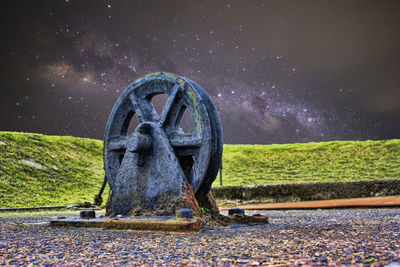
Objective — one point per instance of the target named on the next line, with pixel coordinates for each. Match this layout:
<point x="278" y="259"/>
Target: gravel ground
<point x="321" y="237"/>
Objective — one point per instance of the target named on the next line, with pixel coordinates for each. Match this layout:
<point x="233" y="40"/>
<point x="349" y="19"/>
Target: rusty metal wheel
<point x="199" y="151"/>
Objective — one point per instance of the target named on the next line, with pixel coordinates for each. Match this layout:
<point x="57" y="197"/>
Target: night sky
<point x="278" y="72"/>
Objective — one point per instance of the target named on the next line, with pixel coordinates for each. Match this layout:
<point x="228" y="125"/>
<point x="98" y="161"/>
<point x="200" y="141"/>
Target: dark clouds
<point x="278" y="72"/>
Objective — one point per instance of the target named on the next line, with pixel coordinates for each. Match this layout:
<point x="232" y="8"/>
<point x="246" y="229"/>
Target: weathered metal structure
<point x="147" y="170"/>
<point x="159" y="175"/>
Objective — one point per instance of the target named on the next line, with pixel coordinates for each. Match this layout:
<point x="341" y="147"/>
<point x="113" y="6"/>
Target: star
<point x="261" y="78"/>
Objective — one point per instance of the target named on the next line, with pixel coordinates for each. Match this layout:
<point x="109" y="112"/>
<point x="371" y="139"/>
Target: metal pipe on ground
<point x="84" y="205"/>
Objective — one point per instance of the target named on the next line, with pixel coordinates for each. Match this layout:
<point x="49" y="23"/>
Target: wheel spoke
<point x="186" y="145"/>
<point x="117" y="144"/>
<point x="144" y="109"/>
<point x="185" y="141"/>
<point x="169" y="105"/>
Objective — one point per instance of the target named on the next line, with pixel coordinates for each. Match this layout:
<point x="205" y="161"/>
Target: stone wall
<point x="289" y="192"/>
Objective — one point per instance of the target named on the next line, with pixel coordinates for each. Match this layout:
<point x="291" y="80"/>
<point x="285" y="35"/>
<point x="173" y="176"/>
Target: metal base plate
<point x="250" y="219"/>
<point x="158" y="223"/>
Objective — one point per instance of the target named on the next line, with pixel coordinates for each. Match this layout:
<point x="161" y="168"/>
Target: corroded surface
<point x="152" y="184"/>
<point x="256" y="218"/>
<point x="159" y="223"/>
<point x="393" y="201"/>
<point x="203" y="144"/>
<point x="147" y="169"/>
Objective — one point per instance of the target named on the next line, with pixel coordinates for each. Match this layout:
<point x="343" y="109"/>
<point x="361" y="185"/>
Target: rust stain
<point x="170" y="225"/>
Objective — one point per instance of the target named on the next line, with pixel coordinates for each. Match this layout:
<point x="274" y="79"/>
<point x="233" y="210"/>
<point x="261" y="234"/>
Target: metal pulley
<point x="146" y="169"/>
<point x="160" y="169"/>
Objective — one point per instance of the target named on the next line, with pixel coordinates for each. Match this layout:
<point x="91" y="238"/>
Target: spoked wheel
<point x="199" y="152"/>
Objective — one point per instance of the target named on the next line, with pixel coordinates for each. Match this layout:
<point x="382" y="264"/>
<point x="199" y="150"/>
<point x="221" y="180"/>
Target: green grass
<point x="72" y="173"/>
<point x="311" y="162"/>
<point x="73" y="167"/>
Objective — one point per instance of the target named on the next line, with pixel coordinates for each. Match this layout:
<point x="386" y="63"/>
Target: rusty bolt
<point x="88" y="214"/>
<point x="236" y="212"/>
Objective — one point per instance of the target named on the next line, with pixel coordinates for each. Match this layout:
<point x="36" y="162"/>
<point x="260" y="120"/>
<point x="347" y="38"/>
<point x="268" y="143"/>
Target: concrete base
<point x="159" y="223"/>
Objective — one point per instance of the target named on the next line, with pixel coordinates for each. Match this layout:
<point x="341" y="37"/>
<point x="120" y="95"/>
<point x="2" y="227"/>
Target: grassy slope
<point x="74" y="168"/>
<point x="73" y="174"/>
<point x="311" y="162"/>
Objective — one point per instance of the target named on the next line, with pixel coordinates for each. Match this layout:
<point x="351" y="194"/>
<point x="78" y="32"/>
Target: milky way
<point x="278" y="72"/>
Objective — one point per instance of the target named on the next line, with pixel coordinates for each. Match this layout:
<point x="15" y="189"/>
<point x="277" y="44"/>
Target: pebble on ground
<point x="323" y="237"/>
